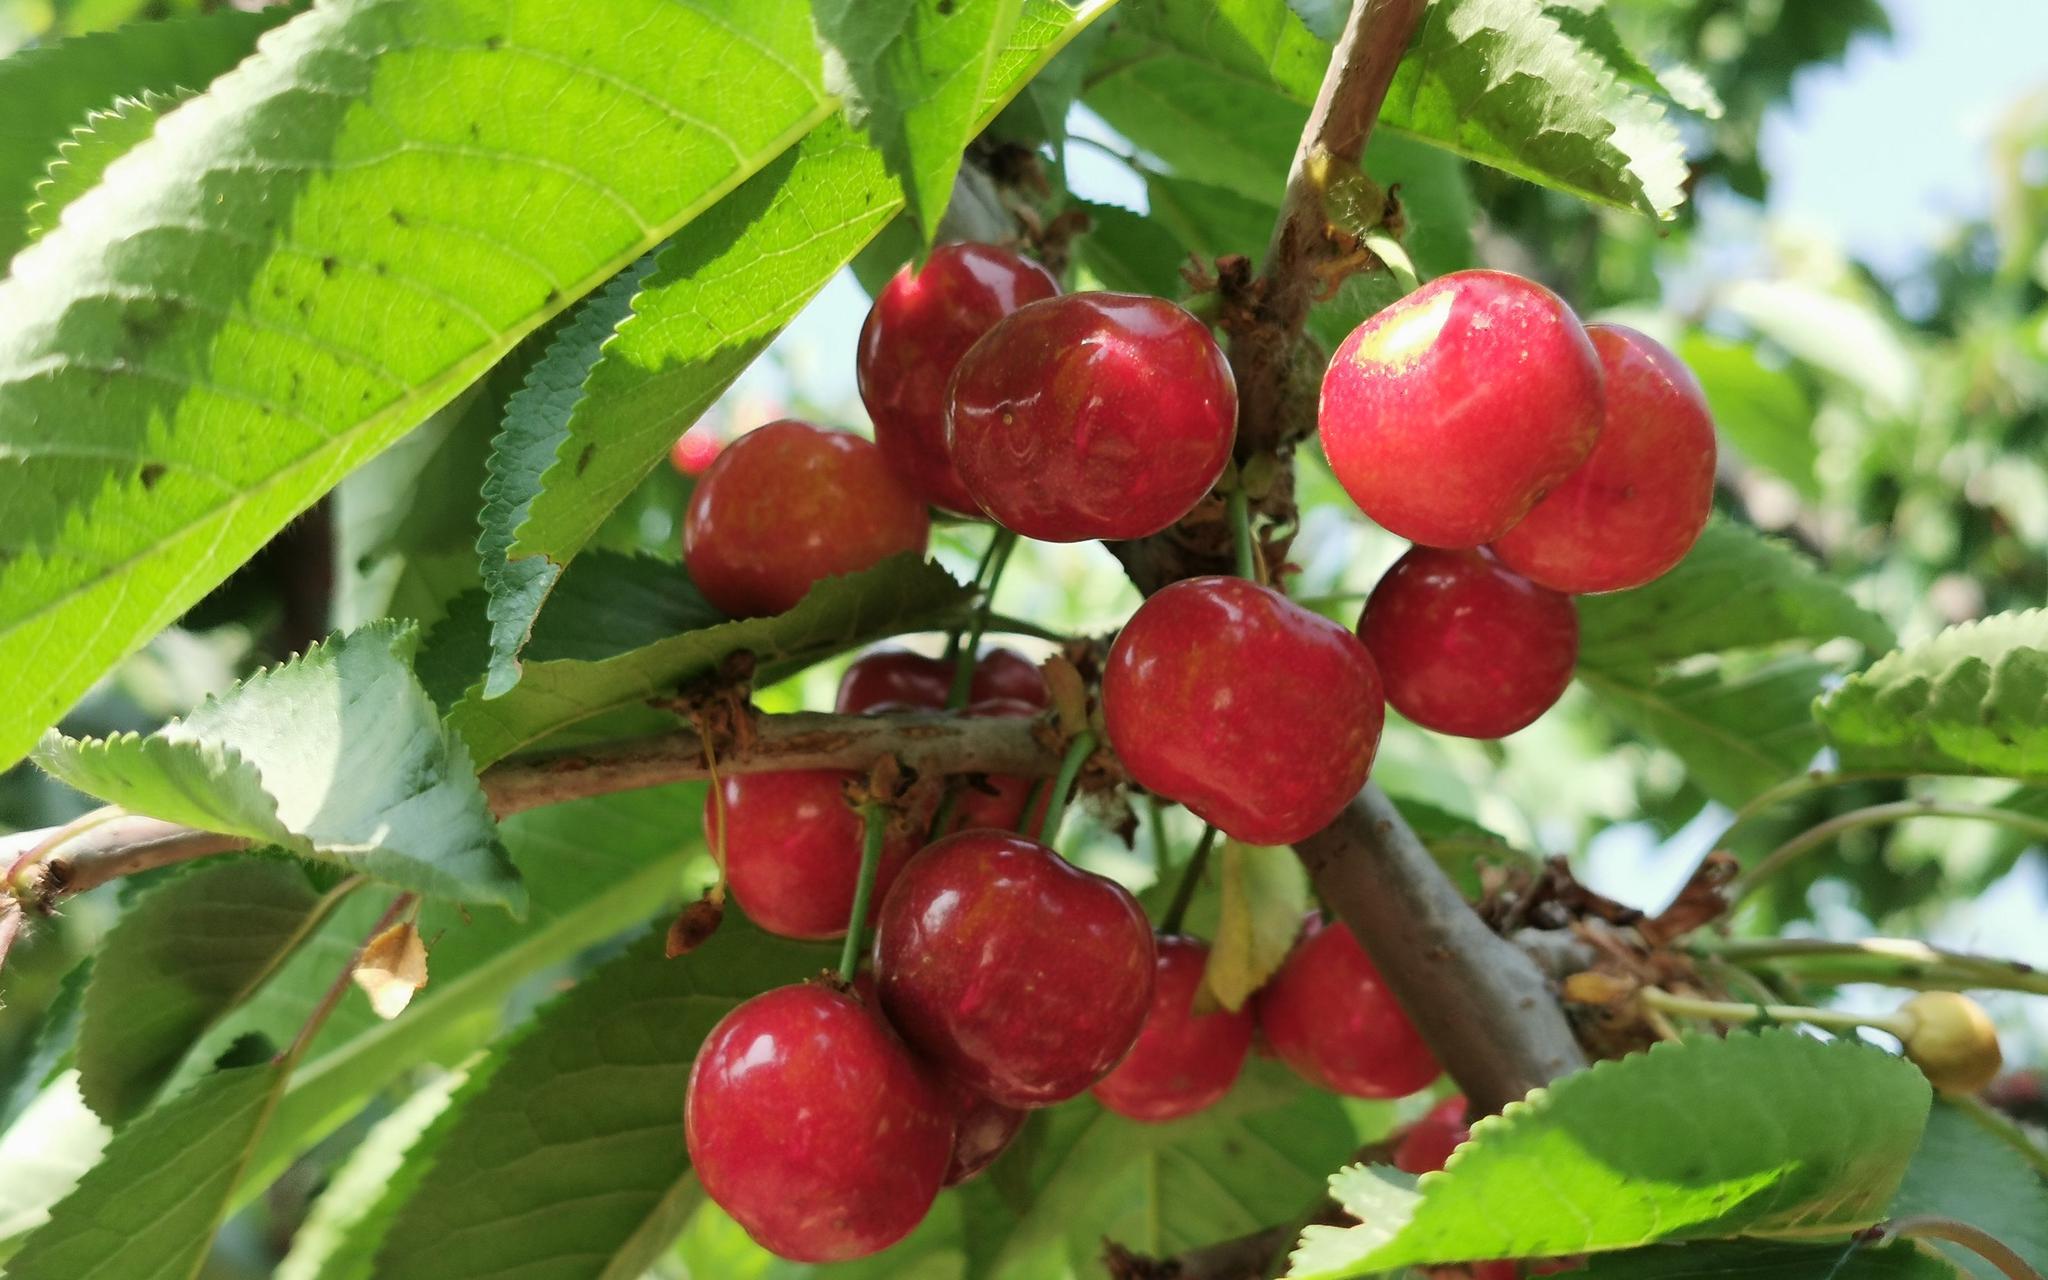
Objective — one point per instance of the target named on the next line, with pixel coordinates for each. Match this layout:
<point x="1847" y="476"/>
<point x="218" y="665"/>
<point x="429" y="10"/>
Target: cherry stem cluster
<point x="874" y="834"/>
<point x="1729" y="1011"/>
<point x="1077" y="755"/>
<point x="964" y="651"/>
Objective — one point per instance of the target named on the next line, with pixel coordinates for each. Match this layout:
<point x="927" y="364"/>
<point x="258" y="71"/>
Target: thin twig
<point x="335" y="991"/>
<point x="1873" y="816"/>
<point x="1977" y="1240"/>
<point x="1190" y="878"/>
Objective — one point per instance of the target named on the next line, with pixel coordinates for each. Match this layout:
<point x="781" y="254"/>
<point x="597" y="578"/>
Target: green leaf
<point x="341" y="1235"/>
<point x="82" y="159"/>
<point x="1764" y="412"/>
<point x="721" y="291"/>
<point x="1220" y="89"/>
<point x="1265" y="894"/>
<point x="914" y="75"/>
<point x="48" y="90"/>
<point x="49" y="1052"/>
<point x="1962" y="1171"/>
<point x="600" y="1183"/>
<point x="1081" y="1174"/>
<point x="1845" y="337"/>
<point x="176" y="961"/>
<point x="337" y="754"/>
<point x="1210" y="221"/>
<point x="151" y="1205"/>
<point x="1972" y="700"/>
<point x="536" y="423"/>
<point x="622" y="629"/>
<point x="1130" y="253"/>
<point x="1739" y="728"/>
<point x="323" y="249"/>
<point x="1459" y="844"/>
<point x="53" y="1143"/>
<point x="1766" y="1134"/>
<point x="1764" y="1260"/>
<point x="1736" y="589"/>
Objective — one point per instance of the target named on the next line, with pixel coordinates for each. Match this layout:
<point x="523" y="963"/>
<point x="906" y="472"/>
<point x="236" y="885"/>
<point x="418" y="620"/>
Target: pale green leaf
<point x="341" y="1235"/>
<point x="46" y="1149"/>
<point x="623" y="629"/>
<point x="176" y="961"/>
<point x="722" y="290"/>
<point x="1130" y="253"/>
<point x="1736" y="589"/>
<point x="1963" y="1172"/>
<point x="152" y="1203"/>
<point x="914" y="74"/>
<point x="1766" y="1134"/>
<point x="37" y="1064"/>
<point x="1972" y="700"/>
<point x="600" y="1182"/>
<point x="334" y="240"/>
<point x="48" y="90"/>
<point x="83" y="158"/>
<point x="1264" y="897"/>
<point x="1739" y="728"/>
<point x="1220" y="89"/>
<point x="1843" y="336"/>
<point x="1763" y="411"/>
<point x="337" y="754"/>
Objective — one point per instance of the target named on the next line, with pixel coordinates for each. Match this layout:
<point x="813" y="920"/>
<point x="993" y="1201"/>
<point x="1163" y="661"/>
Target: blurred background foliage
<point x="1883" y="407"/>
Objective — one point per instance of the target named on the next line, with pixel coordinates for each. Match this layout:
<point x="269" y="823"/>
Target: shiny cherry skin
<point x="982" y="1128"/>
<point x="1017" y="972"/>
<point x="1092" y="415"/>
<point x="922" y="322"/>
<point x="1447" y="415"/>
<point x="1255" y="713"/>
<point x="913" y="680"/>
<point x="695" y="450"/>
<point x="1429" y="1142"/>
<point x="1184" y="1062"/>
<point x="1466" y="645"/>
<point x="1637" y="504"/>
<point x="792" y="852"/>
<point x="787" y="504"/>
<point x="1329" y="1016"/>
<point x="814" y="1127"/>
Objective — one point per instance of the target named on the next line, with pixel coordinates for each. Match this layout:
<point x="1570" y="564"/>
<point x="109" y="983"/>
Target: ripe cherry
<point x="1253" y="712"/>
<point x="1183" y="1061"/>
<point x="793" y="846"/>
<point x="787" y="504"/>
<point x="1328" y="1015"/>
<point x="1448" y="414"/>
<point x="913" y="680"/>
<point x="1429" y="1142"/>
<point x="1637" y="504"/>
<point x="1468" y="646"/>
<point x="921" y="324"/>
<point x="1092" y="415"/>
<point x="813" y="1126"/>
<point x="982" y="1128"/>
<point x="695" y="450"/>
<point x="1019" y="973"/>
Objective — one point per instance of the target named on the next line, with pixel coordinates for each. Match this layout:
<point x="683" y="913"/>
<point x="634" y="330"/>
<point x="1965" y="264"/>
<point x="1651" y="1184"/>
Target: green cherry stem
<point x="874" y="831"/>
<point x="1873" y="816"/>
<point x="1895" y="962"/>
<point x="1077" y="755"/>
<point x="1728" y="1011"/>
<point x="1248" y="565"/>
<point x="1190" y="878"/>
<point x="991" y="573"/>
<point x="1977" y="1240"/>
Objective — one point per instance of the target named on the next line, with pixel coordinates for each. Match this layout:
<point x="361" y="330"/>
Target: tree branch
<point x="926" y="742"/>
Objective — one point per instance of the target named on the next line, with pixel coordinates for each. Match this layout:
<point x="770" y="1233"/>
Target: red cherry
<point x="921" y="324"/>
<point x="998" y="800"/>
<point x="1468" y="646"/>
<point x="1429" y="1142"/>
<point x="1636" y="506"/>
<point x="1021" y="974"/>
<point x="792" y="855"/>
<point x="1007" y="674"/>
<point x="1331" y="1018"/>
<point x="915" y="681"/>
<point x="981" y="1129"/>
<point x="1240" y="704"/>
<point x="1183" y="1061"/>
<point x="695" y="450"/>
<point x="787" y="504"/>
<point x="813" y="1126"/>
<point x="1448" y="414"/>
<point x="1092" y="415"/>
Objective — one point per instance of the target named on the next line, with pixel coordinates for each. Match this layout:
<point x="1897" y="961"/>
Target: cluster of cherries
<point x="1528" y="457"/>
